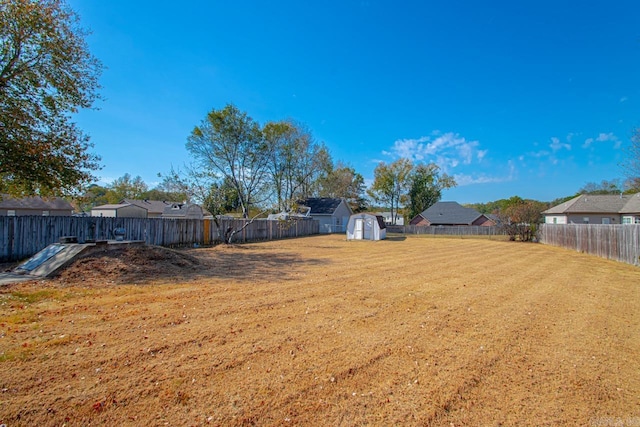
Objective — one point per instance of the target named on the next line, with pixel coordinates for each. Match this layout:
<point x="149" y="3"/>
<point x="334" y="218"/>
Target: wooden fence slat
<point x="23" y="236"/>
<point x="616" y="242"/>
<point x="460" y="230"/>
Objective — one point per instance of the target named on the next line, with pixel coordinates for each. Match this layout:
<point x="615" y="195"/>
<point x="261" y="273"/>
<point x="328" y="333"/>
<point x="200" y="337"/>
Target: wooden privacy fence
<point x="617" y="242"/>
<point x="457" y="230"/>
<point x="23" y="236"/>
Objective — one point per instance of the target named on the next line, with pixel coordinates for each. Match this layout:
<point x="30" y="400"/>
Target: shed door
<point x="359" y="226"/>
<point x="368" y="230"/>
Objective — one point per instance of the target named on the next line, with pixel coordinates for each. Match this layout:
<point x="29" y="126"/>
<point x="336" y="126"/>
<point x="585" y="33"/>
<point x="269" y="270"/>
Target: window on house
<point x="45" y="213"/>
<point x="606" y="220"/>
<point x="626" y="220"/>
<point x="11" y="213"/>
<point x="585" y="220"/>
<point x="555" y="220"/>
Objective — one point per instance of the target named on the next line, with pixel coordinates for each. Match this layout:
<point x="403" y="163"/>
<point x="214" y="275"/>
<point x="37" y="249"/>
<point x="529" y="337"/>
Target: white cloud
<point x="482" y="178"/>
<point x="464" y="179"/>
<point x="603" y="137"/>
<point x="538" y="154"/>
<point x="624" y="99"/>
<point x="447" y="149"/>
<point x="557" y="145"/>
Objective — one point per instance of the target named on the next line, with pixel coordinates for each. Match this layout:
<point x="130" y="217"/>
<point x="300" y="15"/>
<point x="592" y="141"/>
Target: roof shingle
<point x="448" y="213"/>
<point x="322" y="205"/>
<point x="592" y="203"/>
<point x="35" y="203"/>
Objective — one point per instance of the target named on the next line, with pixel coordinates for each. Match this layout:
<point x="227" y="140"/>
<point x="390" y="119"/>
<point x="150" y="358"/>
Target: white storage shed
<point x="364" y="226"/>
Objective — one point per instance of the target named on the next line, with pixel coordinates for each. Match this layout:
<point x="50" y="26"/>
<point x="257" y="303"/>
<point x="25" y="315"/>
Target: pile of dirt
<point x="133" y="264"/>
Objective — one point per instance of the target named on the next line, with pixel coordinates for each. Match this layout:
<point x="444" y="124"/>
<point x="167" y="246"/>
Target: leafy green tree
<point x="483" y="208"/>
<point x="520" y="218"/>
<point x="229" y="144"/>
<point x="426" y="185"/>
<point x="46" y="74"/>
<point x="390" y="184"/>
<point x="94" y="195"/>
<point x="159" y="194"/>
<point x="495" y="206"/>
<point x="127" y="187"/>
<point x="343" y="181"/>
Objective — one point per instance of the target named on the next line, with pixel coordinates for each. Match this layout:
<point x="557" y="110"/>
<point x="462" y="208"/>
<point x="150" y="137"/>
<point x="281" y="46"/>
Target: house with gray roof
<point x="596" y="209"/>
<point x="395" y="219"/>
<point x="450" y="213"/>
<point x="155" y="208"/>
<point x="631" y="210"/>
<point x="35" y="205"/>
<point x="332" y="213"/>
<point x="183" y="211"/>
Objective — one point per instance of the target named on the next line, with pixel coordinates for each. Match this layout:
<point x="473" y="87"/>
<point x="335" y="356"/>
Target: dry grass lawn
<point x="320" y="331"/>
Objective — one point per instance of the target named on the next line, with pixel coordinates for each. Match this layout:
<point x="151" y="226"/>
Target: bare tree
<point x="296" y="162"/>
<point x="229" y="144"/>
<point x="631" y="164"/>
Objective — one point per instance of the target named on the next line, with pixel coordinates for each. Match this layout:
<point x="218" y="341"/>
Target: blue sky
<point x="533" y="99"/>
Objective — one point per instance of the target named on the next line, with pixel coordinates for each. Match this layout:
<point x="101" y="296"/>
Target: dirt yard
<point x="320" y="331"/>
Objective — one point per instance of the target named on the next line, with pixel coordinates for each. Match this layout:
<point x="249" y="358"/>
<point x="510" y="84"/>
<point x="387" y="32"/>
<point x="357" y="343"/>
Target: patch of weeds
<point x="20" y="318"/>
<point x="21" y="353"/>
<point x="34" y="297"/>
<point x="6" y="356"/>
<point x="76" y="294"/>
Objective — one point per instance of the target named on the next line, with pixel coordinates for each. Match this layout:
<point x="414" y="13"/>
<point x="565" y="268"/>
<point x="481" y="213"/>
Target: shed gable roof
<point x="442" y="213"/>
<point x="35" y="203"/>
<point x="373" y="216"/>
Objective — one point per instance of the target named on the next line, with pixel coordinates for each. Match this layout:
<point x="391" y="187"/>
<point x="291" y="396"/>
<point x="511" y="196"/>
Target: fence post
<point x="10" y="239"/>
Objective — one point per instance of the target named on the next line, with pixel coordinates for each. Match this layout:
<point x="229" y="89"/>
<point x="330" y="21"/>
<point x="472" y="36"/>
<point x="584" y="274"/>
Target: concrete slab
<point x="8" y="278"/>
<point x="51" y="259"/>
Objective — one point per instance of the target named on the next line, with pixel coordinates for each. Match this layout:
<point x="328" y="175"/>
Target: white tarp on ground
<point x="364" y="226"/>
